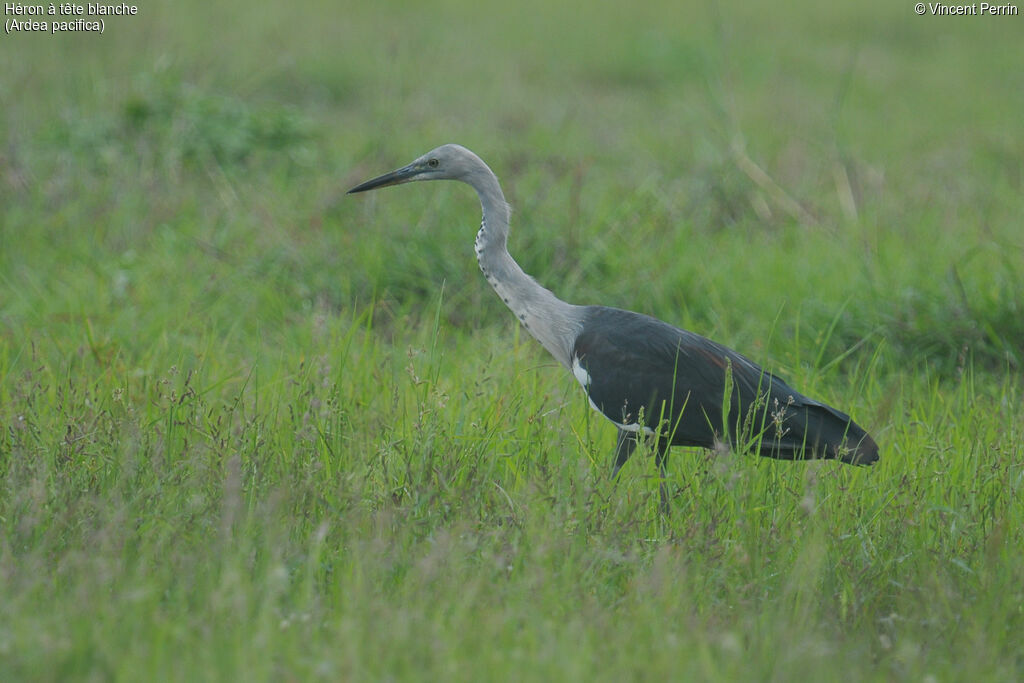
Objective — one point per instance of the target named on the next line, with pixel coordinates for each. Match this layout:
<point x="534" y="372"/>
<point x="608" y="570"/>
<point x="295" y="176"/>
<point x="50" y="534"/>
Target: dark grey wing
<point x="676" y="378"/>
<point x="641" y="369"/>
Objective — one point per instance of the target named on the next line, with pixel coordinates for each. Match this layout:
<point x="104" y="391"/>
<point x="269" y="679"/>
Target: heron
<point x="654" y="381"/>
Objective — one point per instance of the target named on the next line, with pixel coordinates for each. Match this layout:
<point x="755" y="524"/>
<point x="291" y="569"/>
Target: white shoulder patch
<point x="580" y="373"/>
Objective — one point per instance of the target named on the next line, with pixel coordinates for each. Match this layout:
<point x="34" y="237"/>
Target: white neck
<point x="551" y="321"/>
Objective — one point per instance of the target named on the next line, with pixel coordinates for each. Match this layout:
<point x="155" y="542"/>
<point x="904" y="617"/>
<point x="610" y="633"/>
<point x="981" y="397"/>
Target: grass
<point x="253" y="428"/>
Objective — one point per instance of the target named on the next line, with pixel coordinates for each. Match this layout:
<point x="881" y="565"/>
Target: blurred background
<point x="731" y="167"/>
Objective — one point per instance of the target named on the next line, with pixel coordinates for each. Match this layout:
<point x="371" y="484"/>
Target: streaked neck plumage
<point x="551" y="321"/>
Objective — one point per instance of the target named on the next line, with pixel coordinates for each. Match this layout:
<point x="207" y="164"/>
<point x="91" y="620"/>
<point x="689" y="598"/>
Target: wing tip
<point x="864" y="454"/>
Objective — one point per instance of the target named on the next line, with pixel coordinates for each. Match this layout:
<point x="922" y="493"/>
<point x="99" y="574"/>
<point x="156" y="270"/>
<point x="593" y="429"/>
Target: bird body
<point x="645" y="375"/>
<point x="701" y="393"/>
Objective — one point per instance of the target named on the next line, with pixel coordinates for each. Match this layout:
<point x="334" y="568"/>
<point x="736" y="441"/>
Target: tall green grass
<point x="254" y="428"/>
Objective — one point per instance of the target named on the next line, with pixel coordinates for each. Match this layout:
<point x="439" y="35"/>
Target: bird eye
<point x="433" y="163"/>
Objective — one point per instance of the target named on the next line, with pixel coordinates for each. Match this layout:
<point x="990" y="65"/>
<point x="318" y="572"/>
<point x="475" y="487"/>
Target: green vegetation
<point x="251" y="428"/>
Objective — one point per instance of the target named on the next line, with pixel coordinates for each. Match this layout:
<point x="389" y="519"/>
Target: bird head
<point x="447" y="162"/>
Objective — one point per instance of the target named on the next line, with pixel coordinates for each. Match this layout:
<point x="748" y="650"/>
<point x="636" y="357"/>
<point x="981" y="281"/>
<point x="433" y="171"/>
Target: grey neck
<point x="551" y="321"/>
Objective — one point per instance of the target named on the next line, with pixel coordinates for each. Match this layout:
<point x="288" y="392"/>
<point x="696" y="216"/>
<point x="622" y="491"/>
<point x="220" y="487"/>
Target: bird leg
<point x="626" y="443"/>
<point x="624" y="447"/>
<point x="661" y="459"/>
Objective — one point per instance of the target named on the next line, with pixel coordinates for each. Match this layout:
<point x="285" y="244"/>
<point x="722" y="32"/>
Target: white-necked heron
<point x="644" y="375"/>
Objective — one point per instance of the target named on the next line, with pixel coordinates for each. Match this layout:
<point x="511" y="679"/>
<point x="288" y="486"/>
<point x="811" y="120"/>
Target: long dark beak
<point x="397" y="177"/>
